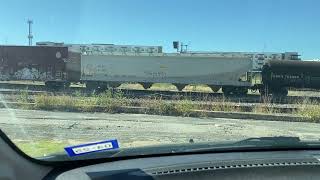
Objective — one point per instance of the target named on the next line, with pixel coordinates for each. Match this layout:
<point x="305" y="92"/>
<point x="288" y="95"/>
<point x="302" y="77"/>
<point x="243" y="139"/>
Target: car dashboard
<point x="233" y="165"/>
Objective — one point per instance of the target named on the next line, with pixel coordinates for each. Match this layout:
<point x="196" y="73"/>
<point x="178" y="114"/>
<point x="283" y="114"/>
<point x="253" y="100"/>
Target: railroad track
<point x="16" y="89"/>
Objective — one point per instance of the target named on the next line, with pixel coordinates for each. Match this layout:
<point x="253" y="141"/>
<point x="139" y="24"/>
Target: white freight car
<point x="104" y="48"/>
<point x="259" y="58"/>
<point x="179" y="69"/>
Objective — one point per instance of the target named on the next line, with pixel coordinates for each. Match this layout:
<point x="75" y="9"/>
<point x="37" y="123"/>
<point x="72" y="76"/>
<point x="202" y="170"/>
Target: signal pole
<point x="184" y="46"/>
<point x="30" y="36"/>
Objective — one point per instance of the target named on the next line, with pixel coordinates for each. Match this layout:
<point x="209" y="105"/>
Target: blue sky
<point x="213" y="25"/>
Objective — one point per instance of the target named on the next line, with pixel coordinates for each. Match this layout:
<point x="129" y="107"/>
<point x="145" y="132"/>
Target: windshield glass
<point x="83" y="78"/>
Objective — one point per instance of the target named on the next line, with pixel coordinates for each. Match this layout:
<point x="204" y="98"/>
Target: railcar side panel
<point x="73" y="67"/>
<point x="296" y="74"/>
<point x="32" y="63"/>
<point x="165" y="69"/>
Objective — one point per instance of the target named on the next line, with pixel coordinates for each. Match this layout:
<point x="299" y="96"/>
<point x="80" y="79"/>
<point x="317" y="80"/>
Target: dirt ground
<point x="133" y="130"/>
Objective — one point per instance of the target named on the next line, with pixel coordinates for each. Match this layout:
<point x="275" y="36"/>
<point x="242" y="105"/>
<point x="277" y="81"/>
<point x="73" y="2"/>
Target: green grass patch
<point x="24" y="99"/>
<point x="222" y="104"/>
<point x="162" y="107"/>
<point x="226" y="107"/>
<point x="265" y="108"/>
<point x="41" y="148"/>
<point x="106" y="102"/>
<point x="47" y="102"/>
<point x="158" y="106"/>
<point x="114" y="101"/>
<point x="311" y="113"/>
<point x="185" y="107"/>
<point x="310" y="110"/>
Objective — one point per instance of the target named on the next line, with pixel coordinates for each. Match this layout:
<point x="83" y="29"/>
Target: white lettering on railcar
<point x="285" y="76"/>
<point x="155" y="74"/>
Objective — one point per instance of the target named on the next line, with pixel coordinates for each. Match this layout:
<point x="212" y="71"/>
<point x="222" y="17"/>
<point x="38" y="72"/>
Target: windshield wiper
<point x="259" y="143"/>
<point x="277" y="140"/>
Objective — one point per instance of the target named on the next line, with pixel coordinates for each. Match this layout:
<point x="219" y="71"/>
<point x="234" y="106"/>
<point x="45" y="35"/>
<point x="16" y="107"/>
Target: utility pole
<point x="30" y="36"/>
<point x="264" y="47"/>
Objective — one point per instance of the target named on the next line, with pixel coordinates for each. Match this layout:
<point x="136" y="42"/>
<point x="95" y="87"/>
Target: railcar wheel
<point x="146" y="85"/>
<point x="240" y="91"/>
<point x="180" y="87"/>
<point x="280" y="92"/>
<point x="66" y="84"/>
<point x="111" y="85"/>
<point x="92" y="85"/>
<point x="215" y="88"/>
<point x="227" y="91"/>
<point x="57" y="85"/>
<point x="263" y="91"/>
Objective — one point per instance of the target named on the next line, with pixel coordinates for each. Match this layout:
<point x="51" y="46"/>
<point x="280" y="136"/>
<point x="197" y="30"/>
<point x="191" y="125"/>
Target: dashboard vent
<point x="206" y="168"/>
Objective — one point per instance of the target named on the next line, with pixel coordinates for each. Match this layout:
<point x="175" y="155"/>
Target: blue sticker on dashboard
<point x="92" y="147"/>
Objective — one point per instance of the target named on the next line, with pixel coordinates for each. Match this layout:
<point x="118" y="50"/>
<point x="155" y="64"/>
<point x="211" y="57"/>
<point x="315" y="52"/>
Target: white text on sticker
<point x="90" y="148"/>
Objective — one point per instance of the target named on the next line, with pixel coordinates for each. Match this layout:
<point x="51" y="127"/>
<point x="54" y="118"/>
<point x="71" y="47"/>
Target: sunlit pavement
<point x="139" y="129"/>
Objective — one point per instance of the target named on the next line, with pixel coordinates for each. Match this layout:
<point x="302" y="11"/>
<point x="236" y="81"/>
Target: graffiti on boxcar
<point x="32" y="74"/>
<point x="32" y="62"/>
<point x="3" y="76"/>
<point x="25" y="74"/>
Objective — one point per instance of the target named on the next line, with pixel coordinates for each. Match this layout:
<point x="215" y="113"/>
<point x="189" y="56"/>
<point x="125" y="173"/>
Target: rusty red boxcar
<point x="33" y="63"/>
